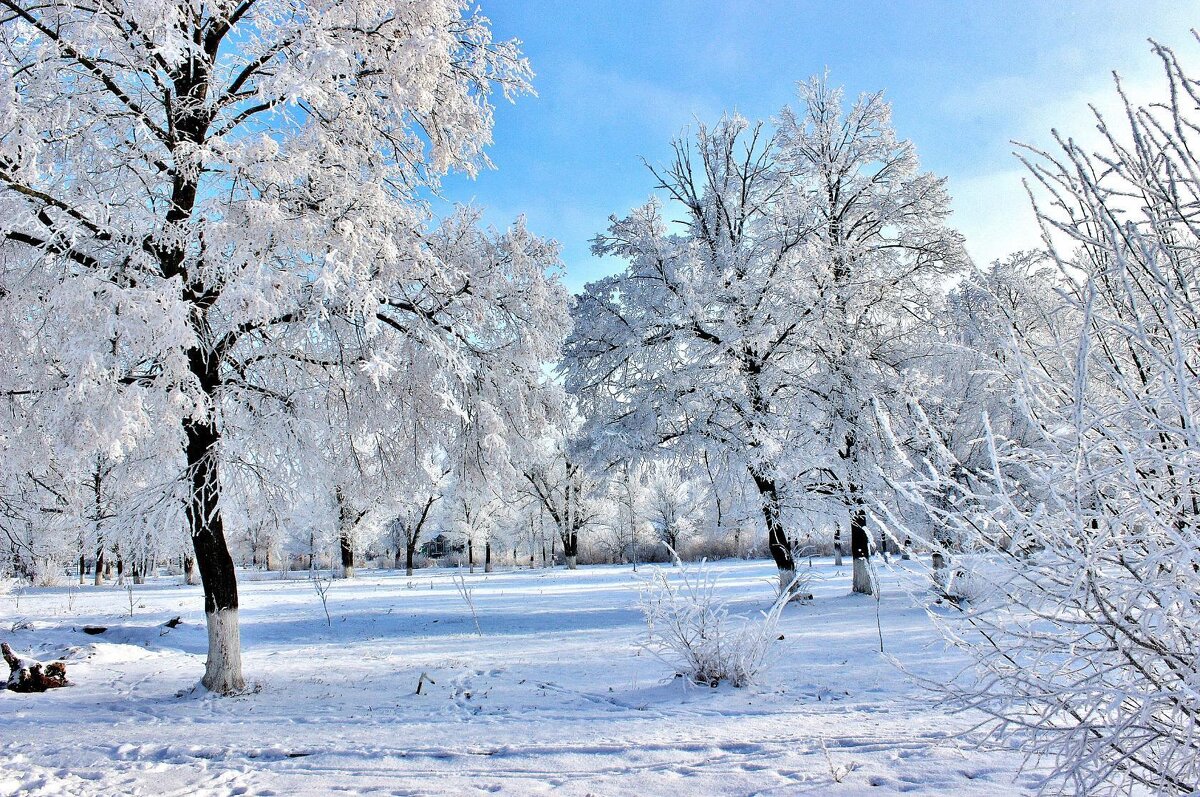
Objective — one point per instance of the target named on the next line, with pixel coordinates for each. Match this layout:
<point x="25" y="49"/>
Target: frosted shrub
<point x="963" y="583"/>
<point x="1088" y="657"/>
<point x="46" y="573"/>
<point x="691" y="629"/>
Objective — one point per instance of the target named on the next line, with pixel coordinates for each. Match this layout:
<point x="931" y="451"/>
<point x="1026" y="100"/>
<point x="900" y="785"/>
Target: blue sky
<point x="616" y="81"/>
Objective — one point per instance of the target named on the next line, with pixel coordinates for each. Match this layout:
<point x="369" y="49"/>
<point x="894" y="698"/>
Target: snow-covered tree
<point x="692" y="347"/>
<point x="673" y="506"/>
<point x="116" y="511"/>
<point x="210" y="219"/>
<point x="874" y="267"/>
<point x="421" y="504"/>
<point x="564" y="490"/>
<point x="474" y="513"/>
<point x="963" y="388"/>
<point x="733" y="513"/>
<point x="767" y="326"/>
<point x="621" y="531"/>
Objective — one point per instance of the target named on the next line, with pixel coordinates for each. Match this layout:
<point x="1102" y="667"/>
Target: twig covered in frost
<point x="840" y="771"/>
<point x="878" y="595"/>
<point x="466" y="593"/>
<point x="321" y="585"/>
<point x="691" y="629"/>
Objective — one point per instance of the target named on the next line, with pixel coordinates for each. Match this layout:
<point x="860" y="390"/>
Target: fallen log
<point x="30" y="675"/>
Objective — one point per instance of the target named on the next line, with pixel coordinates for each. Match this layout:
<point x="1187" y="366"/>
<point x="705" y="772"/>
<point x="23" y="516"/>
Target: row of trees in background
<point x="550" y="511"/>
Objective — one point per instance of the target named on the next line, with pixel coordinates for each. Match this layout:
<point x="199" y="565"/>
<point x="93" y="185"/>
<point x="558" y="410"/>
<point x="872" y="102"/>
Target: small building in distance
<point x="440" y="546"/>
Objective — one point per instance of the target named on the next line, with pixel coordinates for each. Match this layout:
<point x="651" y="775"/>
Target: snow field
<point x="555" y="697"/>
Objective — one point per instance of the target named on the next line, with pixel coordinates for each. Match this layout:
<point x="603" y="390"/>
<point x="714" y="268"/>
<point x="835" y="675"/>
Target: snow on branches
<point x="784" y="305"/>
<point x="212" y="241"/>
<point x="1084" y="507"/>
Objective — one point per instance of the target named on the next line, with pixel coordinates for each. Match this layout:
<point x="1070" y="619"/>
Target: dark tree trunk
<point x="571" y="550"/>
<point x="223" y="671"/>
<point x="99" y="567"/>
<point x="410" y="554"/>
<point x="777" y="541"/>
<point x="347" y="550"/>
<point x="471" y="554"/>
<point x="82" y="567"/>
<point x="860" y="544"/>
<point x="860" y="549"/>
<point x="346" y="521"/>
<point x="487" y="556"/>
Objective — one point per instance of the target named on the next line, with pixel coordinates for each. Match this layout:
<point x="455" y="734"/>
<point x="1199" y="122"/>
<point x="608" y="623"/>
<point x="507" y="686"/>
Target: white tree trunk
<point x="487" y="567"/>
<point x="571" y="563"/>
<point x="223" y="670"/>
<point x="862" y="577"/>
<point x="786" y="577"/>
<point x="348" y="571"/>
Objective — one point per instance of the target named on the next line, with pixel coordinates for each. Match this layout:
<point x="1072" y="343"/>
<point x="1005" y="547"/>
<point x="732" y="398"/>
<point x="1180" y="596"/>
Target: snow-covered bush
<point x="1091" y="661"/>
<point x="46" y="572"/>
<point x="963" y="583"/>
<point x="692" y="629"/>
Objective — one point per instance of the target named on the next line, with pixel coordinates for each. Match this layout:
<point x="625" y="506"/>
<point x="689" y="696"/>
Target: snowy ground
<point x="553" y="698"/>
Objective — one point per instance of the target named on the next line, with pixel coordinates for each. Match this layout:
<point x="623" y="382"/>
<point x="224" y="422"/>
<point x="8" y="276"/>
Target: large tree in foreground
<point x="209" y="218"/>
